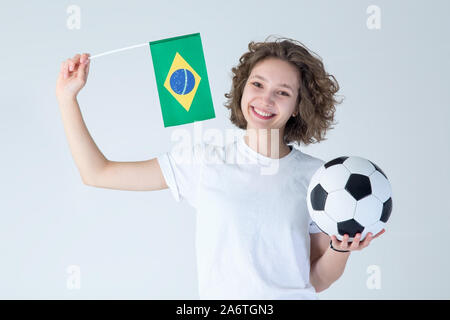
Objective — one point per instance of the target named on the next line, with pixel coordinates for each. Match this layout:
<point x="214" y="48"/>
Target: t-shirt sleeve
<point x="182" y="168"/>
<point x="313" y="228"/>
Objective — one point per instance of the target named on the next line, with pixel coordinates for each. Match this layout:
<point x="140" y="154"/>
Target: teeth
<point x="262" y="113"/>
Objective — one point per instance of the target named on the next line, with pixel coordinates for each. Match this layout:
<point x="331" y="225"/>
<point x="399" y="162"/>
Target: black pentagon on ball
<point x="378" y="169"/>
<point x="387" y="209"/>
<point x="318" y="197"/>
<point x="358" y="186"/>
<point x="350" y="227"/>
<point x="336" y="161"/>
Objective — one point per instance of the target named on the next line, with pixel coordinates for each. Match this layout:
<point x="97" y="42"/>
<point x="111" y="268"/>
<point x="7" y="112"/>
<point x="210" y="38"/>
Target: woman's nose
<point x="267" y="98"/>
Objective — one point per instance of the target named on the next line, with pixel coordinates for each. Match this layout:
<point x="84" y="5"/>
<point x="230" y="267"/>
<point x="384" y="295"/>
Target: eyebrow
<point x="282" y="84"/>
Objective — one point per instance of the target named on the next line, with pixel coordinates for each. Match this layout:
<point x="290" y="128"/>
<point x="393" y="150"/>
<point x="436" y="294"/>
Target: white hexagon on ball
<point x="340" y="206"/>
<point x="368" y="211"/>
<point x="374" y="229"/>
<point x="335" y="178"/>
<point x="315" y="179"/>
<point x="381" y="187"/>
<point x="324" y="222"/>
<point x="359" y="165"/>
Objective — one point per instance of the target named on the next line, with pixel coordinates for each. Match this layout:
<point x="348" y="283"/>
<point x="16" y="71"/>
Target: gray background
<point x="140" y="245"/>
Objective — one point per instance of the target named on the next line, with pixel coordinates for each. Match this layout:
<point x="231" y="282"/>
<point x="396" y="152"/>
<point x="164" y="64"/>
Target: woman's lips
<point x="261" y="116"/>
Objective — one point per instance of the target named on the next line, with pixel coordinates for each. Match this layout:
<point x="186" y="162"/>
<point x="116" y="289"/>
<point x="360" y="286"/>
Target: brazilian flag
<point x="182" y="80"/>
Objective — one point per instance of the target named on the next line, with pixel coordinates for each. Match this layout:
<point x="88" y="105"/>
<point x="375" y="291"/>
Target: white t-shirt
<point x="252" y="223"/>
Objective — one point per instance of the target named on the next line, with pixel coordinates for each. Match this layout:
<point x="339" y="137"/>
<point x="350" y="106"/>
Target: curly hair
<point x="316" y="96"/>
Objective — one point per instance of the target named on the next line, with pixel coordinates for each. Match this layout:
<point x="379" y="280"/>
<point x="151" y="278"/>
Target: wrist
<point x="337" y="250"/>
<point x="63" y="100"/>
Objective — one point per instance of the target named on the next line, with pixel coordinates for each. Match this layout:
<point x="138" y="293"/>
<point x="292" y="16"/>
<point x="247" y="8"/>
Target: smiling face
<point x="270" y="94"/>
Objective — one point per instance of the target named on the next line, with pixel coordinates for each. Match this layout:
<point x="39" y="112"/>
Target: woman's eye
<point x="257" y="84"/>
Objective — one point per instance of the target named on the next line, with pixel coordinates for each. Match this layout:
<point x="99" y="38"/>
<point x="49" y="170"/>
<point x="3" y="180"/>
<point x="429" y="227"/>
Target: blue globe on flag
<point x="182" y="81"/>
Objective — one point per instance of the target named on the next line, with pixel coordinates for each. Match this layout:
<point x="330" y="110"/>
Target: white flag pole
<point x="117" y="50"/>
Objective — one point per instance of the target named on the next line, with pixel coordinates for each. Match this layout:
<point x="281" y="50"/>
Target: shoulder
<point x="306" y="161"/>
<point x="306" y="166"/>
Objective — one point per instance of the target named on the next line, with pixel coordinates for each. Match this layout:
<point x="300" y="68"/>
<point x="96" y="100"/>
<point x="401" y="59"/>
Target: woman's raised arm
<point x="95" y="170"/>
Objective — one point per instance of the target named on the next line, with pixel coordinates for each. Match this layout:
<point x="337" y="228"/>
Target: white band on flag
<point x="117" y="50"/>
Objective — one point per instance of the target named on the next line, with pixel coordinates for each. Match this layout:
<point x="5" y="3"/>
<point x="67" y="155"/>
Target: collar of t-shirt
<point x="252" y="154"/>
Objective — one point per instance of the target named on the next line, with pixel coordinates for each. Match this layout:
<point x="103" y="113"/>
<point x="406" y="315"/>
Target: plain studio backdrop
<point x="62" y="239"/>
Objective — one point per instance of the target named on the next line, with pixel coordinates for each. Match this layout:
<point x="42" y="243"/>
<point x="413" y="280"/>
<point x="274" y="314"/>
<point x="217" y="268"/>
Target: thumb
<point x="84" y="70"/>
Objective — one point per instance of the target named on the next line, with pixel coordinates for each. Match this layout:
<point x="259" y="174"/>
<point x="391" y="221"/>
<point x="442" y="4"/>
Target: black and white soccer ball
<point x="349" y="195"/>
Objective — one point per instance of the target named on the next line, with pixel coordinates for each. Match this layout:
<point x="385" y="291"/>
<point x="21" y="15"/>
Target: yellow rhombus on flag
<point x="185" y="99"/>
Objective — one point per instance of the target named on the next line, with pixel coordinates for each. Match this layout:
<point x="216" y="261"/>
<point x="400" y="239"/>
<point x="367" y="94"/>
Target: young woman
<point x="254" y="236"/>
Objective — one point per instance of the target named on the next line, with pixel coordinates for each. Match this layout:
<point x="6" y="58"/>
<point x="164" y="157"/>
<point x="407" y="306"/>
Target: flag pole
<point x="117" y="50"/>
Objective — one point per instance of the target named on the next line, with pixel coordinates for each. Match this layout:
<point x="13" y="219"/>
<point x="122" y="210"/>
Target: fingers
<point x="88" y="64"/>
<point x="336" y="243"/>
<point x="356" y="244"/>
<point x="85" y="62"/>
<point x="83" y="70"/>
<point x="379" y="234"/>
<point x="71" y="65"/>
<point x="367" y="240"/>
<point x="340" y="245"/>
<point x="84" y="57"/>
<point x="344" y="242"/>
<point x="66" y="68"/>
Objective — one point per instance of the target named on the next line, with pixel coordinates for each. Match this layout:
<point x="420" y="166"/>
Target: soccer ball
<point x="349" y="195"/>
